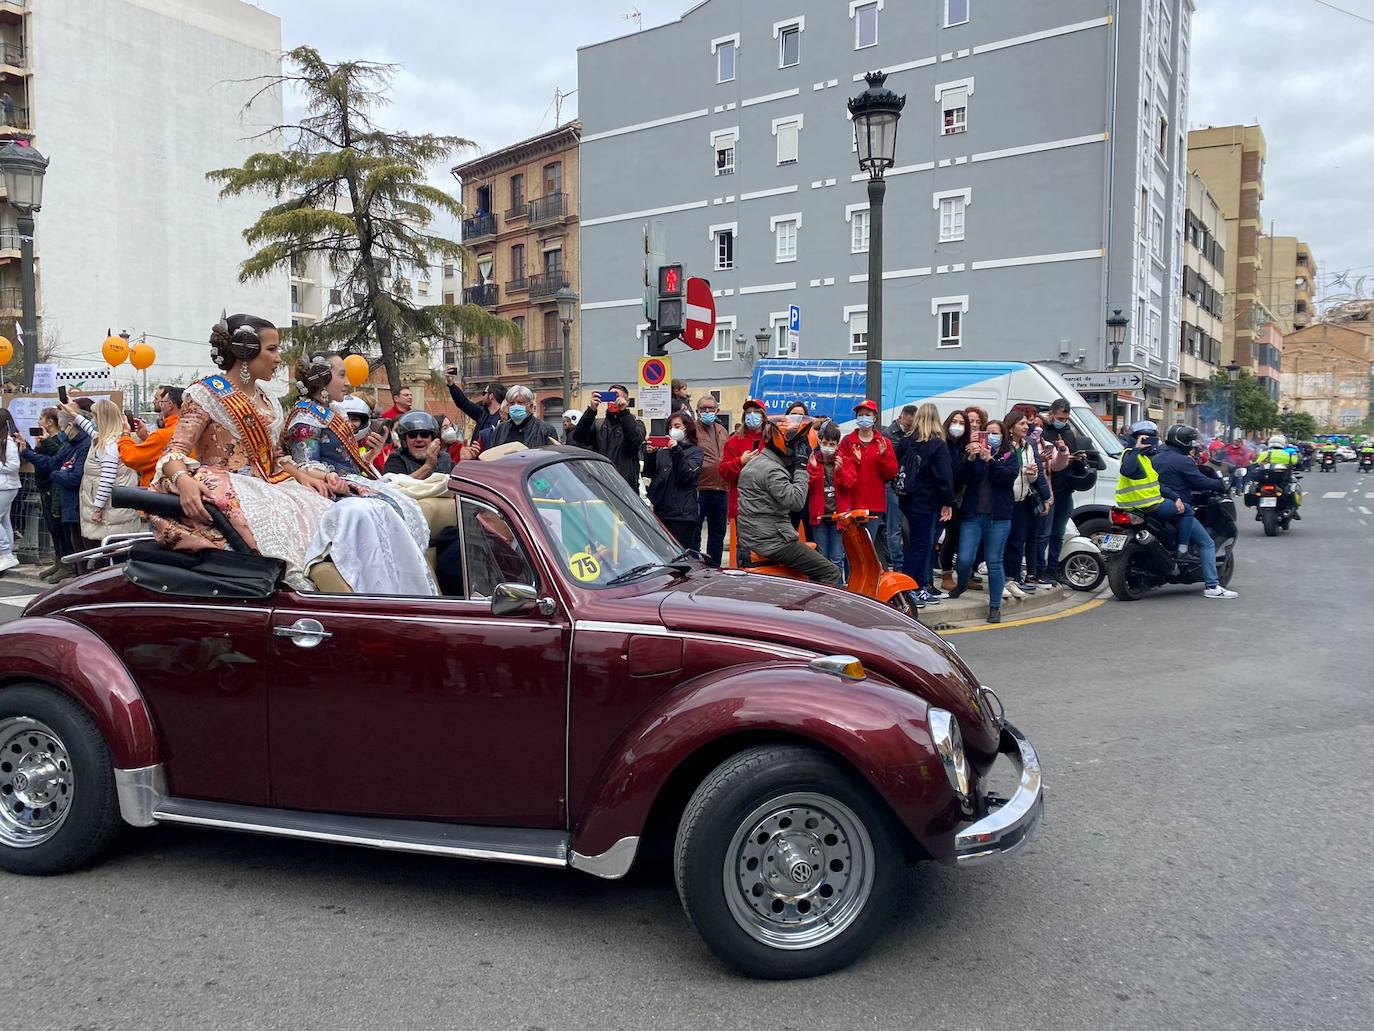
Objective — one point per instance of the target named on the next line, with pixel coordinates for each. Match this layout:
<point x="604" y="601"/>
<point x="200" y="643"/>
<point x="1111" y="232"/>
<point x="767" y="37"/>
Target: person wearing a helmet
<point x="773" y="485"/>
<point x="1179" y="479"/>
<point x="421" y="453"/>
<point x="569" y="424"/>
<point x="1277" y="453"/>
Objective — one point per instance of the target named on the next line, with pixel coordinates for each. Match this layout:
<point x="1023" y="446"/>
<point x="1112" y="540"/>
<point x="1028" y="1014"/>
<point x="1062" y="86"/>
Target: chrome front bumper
<point x="1007" y="827"/>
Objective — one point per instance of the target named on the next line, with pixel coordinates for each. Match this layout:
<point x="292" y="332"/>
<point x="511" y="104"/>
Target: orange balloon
<point x="355" y="368"/>
<point x="116" y="349"/>
<point x="142" y="355"/>
<point x="6" y="351"/>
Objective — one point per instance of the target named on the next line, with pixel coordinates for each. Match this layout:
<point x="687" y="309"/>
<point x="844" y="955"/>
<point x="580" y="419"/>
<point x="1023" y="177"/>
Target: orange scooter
<point x="866" y="576"/>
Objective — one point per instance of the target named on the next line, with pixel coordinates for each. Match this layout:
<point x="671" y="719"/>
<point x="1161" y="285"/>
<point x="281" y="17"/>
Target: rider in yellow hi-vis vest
<point x="1138" y="490"/>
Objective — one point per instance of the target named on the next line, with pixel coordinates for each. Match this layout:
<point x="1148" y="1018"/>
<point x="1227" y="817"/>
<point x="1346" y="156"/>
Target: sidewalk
<point x="24" y="576"/>
<point x="971" y="609"/>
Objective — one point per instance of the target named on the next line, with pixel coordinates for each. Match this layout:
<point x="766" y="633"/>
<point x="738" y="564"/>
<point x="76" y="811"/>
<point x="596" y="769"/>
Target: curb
<point x="971" y="609"/>
<point x="24" y="575"/>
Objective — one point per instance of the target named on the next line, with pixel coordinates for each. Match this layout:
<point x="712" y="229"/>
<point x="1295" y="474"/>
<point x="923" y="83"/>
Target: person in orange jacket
<point x="141" y="450"/>
<point x="739" y="450"/>
<point x="869" y="462"/>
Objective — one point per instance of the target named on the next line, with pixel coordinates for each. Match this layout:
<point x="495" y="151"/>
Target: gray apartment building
<point x="1039" y="183"/>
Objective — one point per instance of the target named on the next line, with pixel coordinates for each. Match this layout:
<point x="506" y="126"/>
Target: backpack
<point x="904" y="484"/>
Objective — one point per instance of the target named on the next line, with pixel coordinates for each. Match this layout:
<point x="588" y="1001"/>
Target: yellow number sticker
<point x="584" y="566"/>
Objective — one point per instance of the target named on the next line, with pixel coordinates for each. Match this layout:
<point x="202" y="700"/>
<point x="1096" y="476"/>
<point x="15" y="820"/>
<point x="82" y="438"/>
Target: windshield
<point x="1087" y="423"/>
<point x="596" y="525"/>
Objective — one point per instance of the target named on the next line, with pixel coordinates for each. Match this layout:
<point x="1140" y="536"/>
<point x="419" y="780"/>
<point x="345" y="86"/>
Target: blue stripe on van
<point x="832" y="387"/>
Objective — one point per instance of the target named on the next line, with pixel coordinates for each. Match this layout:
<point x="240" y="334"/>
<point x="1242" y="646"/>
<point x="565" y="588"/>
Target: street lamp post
<point x="23" y="169"/>
<point x="566" y="299"/>
<point x="1232" y="374"/>
<point x="762" y="343"/>
<point x="876" y="112"/>
<point x="1116" y="336"/>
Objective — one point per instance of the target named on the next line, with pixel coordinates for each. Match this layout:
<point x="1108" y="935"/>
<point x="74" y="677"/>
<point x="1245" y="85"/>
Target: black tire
<point x="1125" y="579"/>
<point x="735" y="793"/>
<point x="1226" y="569"/>
<point x="1081" y="579"/>
<point x="92" y="821"/>
<point x="1271" y="522"/>
<point x="901" y="601"/>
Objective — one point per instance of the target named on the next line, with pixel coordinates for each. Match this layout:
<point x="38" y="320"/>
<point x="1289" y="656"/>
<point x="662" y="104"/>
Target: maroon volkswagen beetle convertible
<point x="584" y="689"/>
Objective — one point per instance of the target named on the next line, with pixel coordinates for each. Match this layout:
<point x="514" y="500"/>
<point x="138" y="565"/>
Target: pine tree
<point x="357" y="194"/>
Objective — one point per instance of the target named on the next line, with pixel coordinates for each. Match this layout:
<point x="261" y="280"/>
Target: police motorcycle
<point x="1366" y="460"/>
<point x="1328" y="462"/>
<point x="1274" y="493"/>
<point x="1141" y="547"/>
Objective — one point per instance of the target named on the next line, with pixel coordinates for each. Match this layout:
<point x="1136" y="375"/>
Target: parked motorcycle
<point x="1141" y="548"/>
<point x="1275" y="497"/>
<point x="1081" y="564"/>
<point x="1328" y="462"/>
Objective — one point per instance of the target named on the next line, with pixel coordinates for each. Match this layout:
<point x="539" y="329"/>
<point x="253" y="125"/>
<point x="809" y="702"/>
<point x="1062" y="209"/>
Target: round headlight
<point x="949" y="742"/>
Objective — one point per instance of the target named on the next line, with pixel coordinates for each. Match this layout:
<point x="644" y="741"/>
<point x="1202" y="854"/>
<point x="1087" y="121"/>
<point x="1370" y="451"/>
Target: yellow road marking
<point x="1077" y="610"/>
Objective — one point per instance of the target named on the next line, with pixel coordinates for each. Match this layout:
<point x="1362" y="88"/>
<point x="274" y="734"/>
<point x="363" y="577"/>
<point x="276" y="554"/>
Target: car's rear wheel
<point x="787" y="865"/>
<point x="58" y="806"/>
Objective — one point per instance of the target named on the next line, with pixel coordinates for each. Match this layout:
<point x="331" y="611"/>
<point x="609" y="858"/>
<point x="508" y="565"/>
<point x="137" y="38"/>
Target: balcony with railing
<point x="12" y="11"/>
<point x="485" y="294"/>
<point x="480" y="366"/>
<point x="10" y="242"/>
<point x="517" y="285"/>
<point x="548" y="209"/>
<point x="11" y="301"/>
<point x="12" y="55"/>
<point x="546" y="362"/>
<point x="15" y="122"/>
<point x="478" y="226"/>
<point x="518" y="212"/>
<point x="546" y="284"/>
<point x="517" y="359"/>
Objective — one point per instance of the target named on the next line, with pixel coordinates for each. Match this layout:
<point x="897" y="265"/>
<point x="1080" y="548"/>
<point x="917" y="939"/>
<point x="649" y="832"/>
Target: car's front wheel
<point x="786" y="863"/>
<point x="58" y="806"/>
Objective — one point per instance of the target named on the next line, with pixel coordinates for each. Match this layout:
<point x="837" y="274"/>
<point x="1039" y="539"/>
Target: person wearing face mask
<point x="141" y="449"/>
<point x="713" y="493"/>
<point x="65" y="468"/>
<point x="1060" y="435"/>
<point x="955" y="428"/>
<point x="828" y="499"/>
<point x="618" y="436"/>
<point x="988" y="477"/>
<point x="672" y="472"/>
<point x="742" y="447"/>
<point x="869" y="463"/>
<point x="522" y="426"/>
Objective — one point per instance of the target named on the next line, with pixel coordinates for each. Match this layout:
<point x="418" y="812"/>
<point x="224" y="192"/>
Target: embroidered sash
<point x="341" y="428"/>
<point x="257" y="441"/>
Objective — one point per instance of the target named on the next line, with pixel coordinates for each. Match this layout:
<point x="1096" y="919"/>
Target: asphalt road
<point x="1205" y="861"/>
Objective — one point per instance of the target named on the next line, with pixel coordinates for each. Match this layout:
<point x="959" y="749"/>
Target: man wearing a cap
<point x="739" y="451"/>
<point x="870" y="462"/>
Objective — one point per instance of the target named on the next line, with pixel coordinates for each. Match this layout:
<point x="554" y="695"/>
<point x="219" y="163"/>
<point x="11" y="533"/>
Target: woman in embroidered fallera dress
<point x="233" y="427"/>
<point x="385" y="530"/>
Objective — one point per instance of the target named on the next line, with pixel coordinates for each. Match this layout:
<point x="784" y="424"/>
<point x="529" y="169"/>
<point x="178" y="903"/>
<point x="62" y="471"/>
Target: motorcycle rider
<point x="1278" y="455"/>
<point x="1139" y="489"/>
<point x="1367" y="453"/>
<point x="1179" y="478"/>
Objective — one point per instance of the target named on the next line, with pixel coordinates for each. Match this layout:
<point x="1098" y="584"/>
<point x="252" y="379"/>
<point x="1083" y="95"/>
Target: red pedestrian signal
<point x="670" y="281"/>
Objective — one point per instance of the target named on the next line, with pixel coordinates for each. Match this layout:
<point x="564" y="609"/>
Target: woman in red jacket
<point x="743" y="444"/>
<point x="827" y="498"/>
<point x="869" y="462"/>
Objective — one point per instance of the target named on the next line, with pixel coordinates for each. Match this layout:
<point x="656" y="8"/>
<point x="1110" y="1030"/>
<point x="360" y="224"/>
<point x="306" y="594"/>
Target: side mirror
<point x="510" y="599"/>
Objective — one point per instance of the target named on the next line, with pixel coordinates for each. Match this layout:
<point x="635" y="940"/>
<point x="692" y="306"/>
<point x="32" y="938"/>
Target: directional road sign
<point x="1105" y="380"/>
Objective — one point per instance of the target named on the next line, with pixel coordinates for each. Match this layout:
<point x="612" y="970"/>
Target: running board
<point x="458" y="841"/>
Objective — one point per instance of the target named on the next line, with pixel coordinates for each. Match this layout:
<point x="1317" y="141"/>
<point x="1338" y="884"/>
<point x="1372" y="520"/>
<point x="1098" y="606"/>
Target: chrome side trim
<point x="621" y="628"/>
<point x="1006" y="829"/>
<point x="169" y="603"/>
<point x="612" y="864"/>
<point x="140" y="792"/>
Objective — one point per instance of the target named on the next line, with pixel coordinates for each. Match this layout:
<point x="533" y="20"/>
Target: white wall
<point x="135" y="100"/>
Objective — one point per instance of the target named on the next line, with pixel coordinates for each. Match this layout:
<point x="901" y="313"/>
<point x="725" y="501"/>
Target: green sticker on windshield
<point x="540" y="484"/>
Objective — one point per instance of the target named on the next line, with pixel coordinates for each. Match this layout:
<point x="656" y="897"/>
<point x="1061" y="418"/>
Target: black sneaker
<point x="994" y="615"/>
<point x="960" y="589"/>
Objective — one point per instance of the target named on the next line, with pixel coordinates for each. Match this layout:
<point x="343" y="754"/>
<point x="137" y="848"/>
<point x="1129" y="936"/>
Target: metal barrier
<point x="32" y="541"/>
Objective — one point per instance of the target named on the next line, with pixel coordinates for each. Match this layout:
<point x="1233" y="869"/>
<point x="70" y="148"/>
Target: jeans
<point x="919" y="555"/>
<point x="951" y="541"/>
<point x="892" y="522"/>
<point x="1052" y="529"/>
<point x="992" y="535"/>
<point x="807" y="561"/>
<point x="7" y="497"/>
<point x="1018" y="532"/>
<point x="1207" y="550"/>
<point x="830" y="542"/>
<point x="712" y="506"/>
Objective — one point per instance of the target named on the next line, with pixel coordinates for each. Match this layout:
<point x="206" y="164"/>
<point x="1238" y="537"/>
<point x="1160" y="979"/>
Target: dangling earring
<point x="245" y="373"/>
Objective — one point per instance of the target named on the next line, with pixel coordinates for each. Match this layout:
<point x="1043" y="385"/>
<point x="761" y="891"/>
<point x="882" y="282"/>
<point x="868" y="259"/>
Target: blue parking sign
<point x="794" y="318"/>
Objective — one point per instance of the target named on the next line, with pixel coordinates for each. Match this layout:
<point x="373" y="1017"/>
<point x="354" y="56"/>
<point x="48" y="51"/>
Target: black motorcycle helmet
<point x="1182" y="437"/>
<point x="413" y="422"/>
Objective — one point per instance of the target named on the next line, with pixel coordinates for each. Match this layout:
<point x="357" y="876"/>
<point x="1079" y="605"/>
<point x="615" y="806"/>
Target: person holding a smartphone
<point x="672" y="464"/>
<point x="141" y="448"/>
<point x="617" y="435"/>
<point x="1068" y="470"/>
<point x="485" y="412"/>
<point x="987" y="478"/>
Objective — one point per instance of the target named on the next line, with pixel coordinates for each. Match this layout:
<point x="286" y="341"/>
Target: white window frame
<point x="939" y="307"/>
<point x="716" y="46"/>
<point x="855" y="6"/>
<point x="799" y="121"/>
<point x="851" y="213"/>
<point x="795" y="220"/>
<point x="938" y="202"/>
<point x="714" y="235"/>
<point x="968" y="13"/>
<point x="850" y="310"/>
<point x="732" y="132"/>
<point x="1156" y="326"/>
<point x="778" y="321"/>
<point x="949" y="87"/>
<point x="727" y="323"/>
<point x="1156" y="238"/>
<point x="797" y="24"/>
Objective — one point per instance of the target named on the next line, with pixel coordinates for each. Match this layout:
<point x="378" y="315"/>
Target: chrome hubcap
<point x="798" y="871"/>
<point x="1080" y="570"/>
<point x="36" y="782"/>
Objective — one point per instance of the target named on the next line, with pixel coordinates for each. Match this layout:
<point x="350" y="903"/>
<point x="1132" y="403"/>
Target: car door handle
<point x="304" y="633"/>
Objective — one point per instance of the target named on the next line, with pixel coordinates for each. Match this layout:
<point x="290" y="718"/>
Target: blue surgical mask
<point x="518" y="413"/>
<point x="753" y="420"/>
<point x="994" y="441"/>
<point x="706" y="418"/>
<point x="1060" y="424"/>
<point x="864" y="422"/>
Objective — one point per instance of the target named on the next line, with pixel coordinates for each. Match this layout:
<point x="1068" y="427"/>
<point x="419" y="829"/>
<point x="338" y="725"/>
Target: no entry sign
<point x="700" y="329"/>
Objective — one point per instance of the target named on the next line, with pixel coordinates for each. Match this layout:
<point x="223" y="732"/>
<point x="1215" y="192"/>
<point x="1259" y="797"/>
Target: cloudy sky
<point x="488" y="71"/>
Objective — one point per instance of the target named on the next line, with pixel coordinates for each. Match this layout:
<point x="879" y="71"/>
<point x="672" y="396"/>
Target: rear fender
<point x="70" y="658"/>
<point x="880" y="730"/>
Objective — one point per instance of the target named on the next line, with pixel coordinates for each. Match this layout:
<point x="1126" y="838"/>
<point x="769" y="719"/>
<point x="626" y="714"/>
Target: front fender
<point x="879" y="729"/>
<point x="70" y="658"/>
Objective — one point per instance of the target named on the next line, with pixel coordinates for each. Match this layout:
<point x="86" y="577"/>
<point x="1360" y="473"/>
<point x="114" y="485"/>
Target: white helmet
<point x="571" y="416"/>
<point x="1278" y="440"/>
<point x="356" y="406"/>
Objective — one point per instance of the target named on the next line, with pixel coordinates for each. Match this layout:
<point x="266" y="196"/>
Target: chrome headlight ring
<point x="949" y="743"/>
<point x="993" y="705"/>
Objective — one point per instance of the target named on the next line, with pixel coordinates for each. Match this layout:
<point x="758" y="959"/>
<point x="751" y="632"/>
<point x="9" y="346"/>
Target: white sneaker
<point x="7" y="562"/>
<point x="1219" y="592"/>
<point x="1012" y="589"/>
<point x="982" y="569"/>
